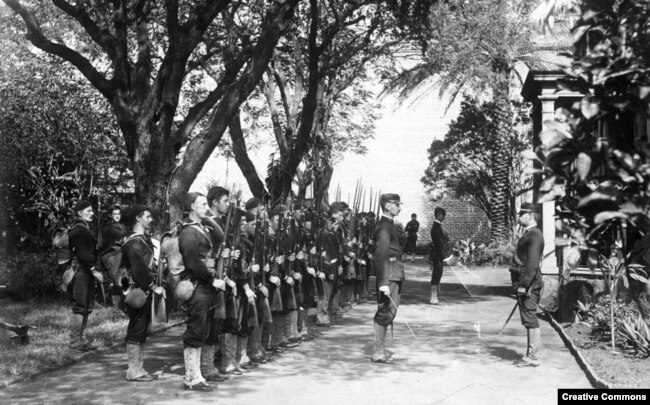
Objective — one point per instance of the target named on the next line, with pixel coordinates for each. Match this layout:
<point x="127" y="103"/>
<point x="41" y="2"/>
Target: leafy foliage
<point x="596" y="154"/>
<point x="461" y="163"/>
<point x="33" y="275"/>
<point x="59" y="140"/>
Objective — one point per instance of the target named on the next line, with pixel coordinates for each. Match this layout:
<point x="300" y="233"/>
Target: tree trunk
<point x="242" y="159"/>
<point x="501" y="191"/>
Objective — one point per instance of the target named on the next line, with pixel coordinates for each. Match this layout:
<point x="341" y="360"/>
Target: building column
<point x="549" y="260"/>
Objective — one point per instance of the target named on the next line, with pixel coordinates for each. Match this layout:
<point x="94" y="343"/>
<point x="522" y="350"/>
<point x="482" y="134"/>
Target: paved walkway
<point x="457" y="357"/>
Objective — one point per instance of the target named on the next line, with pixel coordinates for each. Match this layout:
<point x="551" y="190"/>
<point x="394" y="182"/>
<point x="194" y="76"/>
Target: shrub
<point x="495" y="254"/>
<point x="33" y="275"/>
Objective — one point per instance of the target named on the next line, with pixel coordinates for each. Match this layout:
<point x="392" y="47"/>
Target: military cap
<point x="135" y="211"/>
<point x="390" y="198"/>
<point x="253" y="203"/>
<point x="250" y="217"/>
<point x="81" y="205"/>
<point x="529" y="207"/>
<point x="216" y="192"/>
<point x="338" y="206"/>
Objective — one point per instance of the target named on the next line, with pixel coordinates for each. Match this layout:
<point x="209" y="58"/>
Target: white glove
<point x="352" y="255"/>
<point x="255" y="268"/>
<point x="340" y="270"/>
<point x="236" y="254"/>
<point x="312" y="250"/>
<point x="297" y="276"/>
<point x="300" y="256"/>
<point x="98" y="276"/>
<point x="219" y="284"/>
<point x="289" y="280"/>
<point x="275" y="280"/>
<point x="369" y="255"/>
<point x="323" y="253"/>
<point x="384" y="289"/>
<point x="267" y="268"/>
<point x="292" y="257"/>
<point x="158" y="290"/>
<point x="231" y="283"/>
<point x="350" y="244"/>
<point x="279" y="259"/>
<point x="264" y="291"/>
<point x="311" y="271"/>
<point x="321" y="275"/>
<point x="225" y="253"/>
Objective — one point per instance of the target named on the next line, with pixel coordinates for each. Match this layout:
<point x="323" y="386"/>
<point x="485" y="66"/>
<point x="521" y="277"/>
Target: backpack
<point x="61" y="243"/>
<point x="169" y="250"/>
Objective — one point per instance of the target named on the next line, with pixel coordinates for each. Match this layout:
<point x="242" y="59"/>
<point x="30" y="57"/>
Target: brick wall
<point x="463" y="221"/>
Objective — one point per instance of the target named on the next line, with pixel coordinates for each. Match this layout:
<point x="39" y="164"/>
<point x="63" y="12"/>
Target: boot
<point x="136" y="372"/>
<point x="85" y="345"/>
<point x="291" y="329"/>
<point x="277" y="333"/>
<point x="530" y="360"/>
<point x="206" y="361"/>
<point x="434" y="295"/>
<point x="379" y="354"/>
<point x="76" y="328"/>
<point x="193" y="363"/>
<point x="228" y="363"/>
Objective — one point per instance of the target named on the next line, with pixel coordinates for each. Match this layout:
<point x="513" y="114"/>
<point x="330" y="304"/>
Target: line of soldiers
<point x="250" y="276"/>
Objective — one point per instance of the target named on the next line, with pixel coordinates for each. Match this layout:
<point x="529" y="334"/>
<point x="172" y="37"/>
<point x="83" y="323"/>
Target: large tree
<point x="316" y="77"/>
<point x="139" y="56"/>
<point x="461" y="163"/>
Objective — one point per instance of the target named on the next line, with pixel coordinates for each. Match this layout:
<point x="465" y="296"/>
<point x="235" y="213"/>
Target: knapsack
<point x="61" y="243"/>
<point x="170" y="251"/>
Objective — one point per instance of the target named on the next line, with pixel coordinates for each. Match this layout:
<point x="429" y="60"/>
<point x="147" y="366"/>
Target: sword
<point x="407" y="324"/>
<point x="509" y="316"/>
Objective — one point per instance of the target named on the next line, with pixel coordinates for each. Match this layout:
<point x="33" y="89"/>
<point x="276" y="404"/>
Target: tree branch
<point x="36" y="37"/>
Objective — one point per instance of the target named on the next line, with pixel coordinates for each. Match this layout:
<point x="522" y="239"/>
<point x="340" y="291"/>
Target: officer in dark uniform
<point x="138" y="258"/>
<point x="390" y="273"/>
<point x="195" y="246"/>
<point x="83" y="245"/>
<point x="438" y="253"/>
<point x="527" y="279"/>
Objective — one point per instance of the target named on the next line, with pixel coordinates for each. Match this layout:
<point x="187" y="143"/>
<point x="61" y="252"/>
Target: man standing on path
<point x="412" y="228"/>
<point x="196" y="247"/>
<point x="390" y="274"/>
<point x="83" y="245"/>
<point x="138" y="257"/>
<point x="527" y="279"/>
<point x="438" y="253"/>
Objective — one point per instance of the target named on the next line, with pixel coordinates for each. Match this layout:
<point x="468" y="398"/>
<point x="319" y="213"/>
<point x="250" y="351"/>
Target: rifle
<point x="265" y="307"/>
<point x="161" y="307"/>
<point x="276" y="299"/>
<point x="220" y="301"/>
<point x="252" y="320"/>
<point x="232" y="302"/>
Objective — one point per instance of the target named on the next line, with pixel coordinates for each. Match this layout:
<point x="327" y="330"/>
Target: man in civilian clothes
<point x="438" y="253"/>
<point x="83" y="245"/>
<point x="412" y="228"/>
<point x="390" y="274"/>
<point x="527" y="279"/>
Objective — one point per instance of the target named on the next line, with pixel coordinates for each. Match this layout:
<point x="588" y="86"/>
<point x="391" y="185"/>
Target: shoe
<point x="293" y="342"/>
<point x="143" y="378"/>
<point x="527" y="362"/>
<point x="202" y="386"/>
<point x="86" y="347"/>
<point x="235" y="371"/>
<point x="385" y="360"/>
<point x="323" y="325"/>
<point x="216" y="377"/>
<point x="258" y="360"/>
<point x="249" y="366"/>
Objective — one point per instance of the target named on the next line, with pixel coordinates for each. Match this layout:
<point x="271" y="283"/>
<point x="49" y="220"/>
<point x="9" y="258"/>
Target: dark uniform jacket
<point x="83" y="244"/>
<point x="412" y="228"/>
<point x="196" y="247"/>
<point x="137" y="256"/>
<point x="112" y="235"/>
<point x="388" y="252"/>
<point x="438" y="241"/>
<point x="528" y="255"/>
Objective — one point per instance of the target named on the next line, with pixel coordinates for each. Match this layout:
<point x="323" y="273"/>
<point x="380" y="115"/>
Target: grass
<point x="48" y="348"/>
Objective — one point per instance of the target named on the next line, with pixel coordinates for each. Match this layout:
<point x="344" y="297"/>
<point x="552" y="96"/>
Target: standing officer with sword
<point x="390" y="274"/>
<point x="527" y="279"/>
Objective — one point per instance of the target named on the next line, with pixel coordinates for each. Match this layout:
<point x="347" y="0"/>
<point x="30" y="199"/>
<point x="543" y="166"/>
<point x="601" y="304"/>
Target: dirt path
<point x="457" y="358"/>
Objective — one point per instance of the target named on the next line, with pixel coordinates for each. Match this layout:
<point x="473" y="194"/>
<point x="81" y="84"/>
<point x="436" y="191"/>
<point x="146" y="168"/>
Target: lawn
<point x="48" y="347"/>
